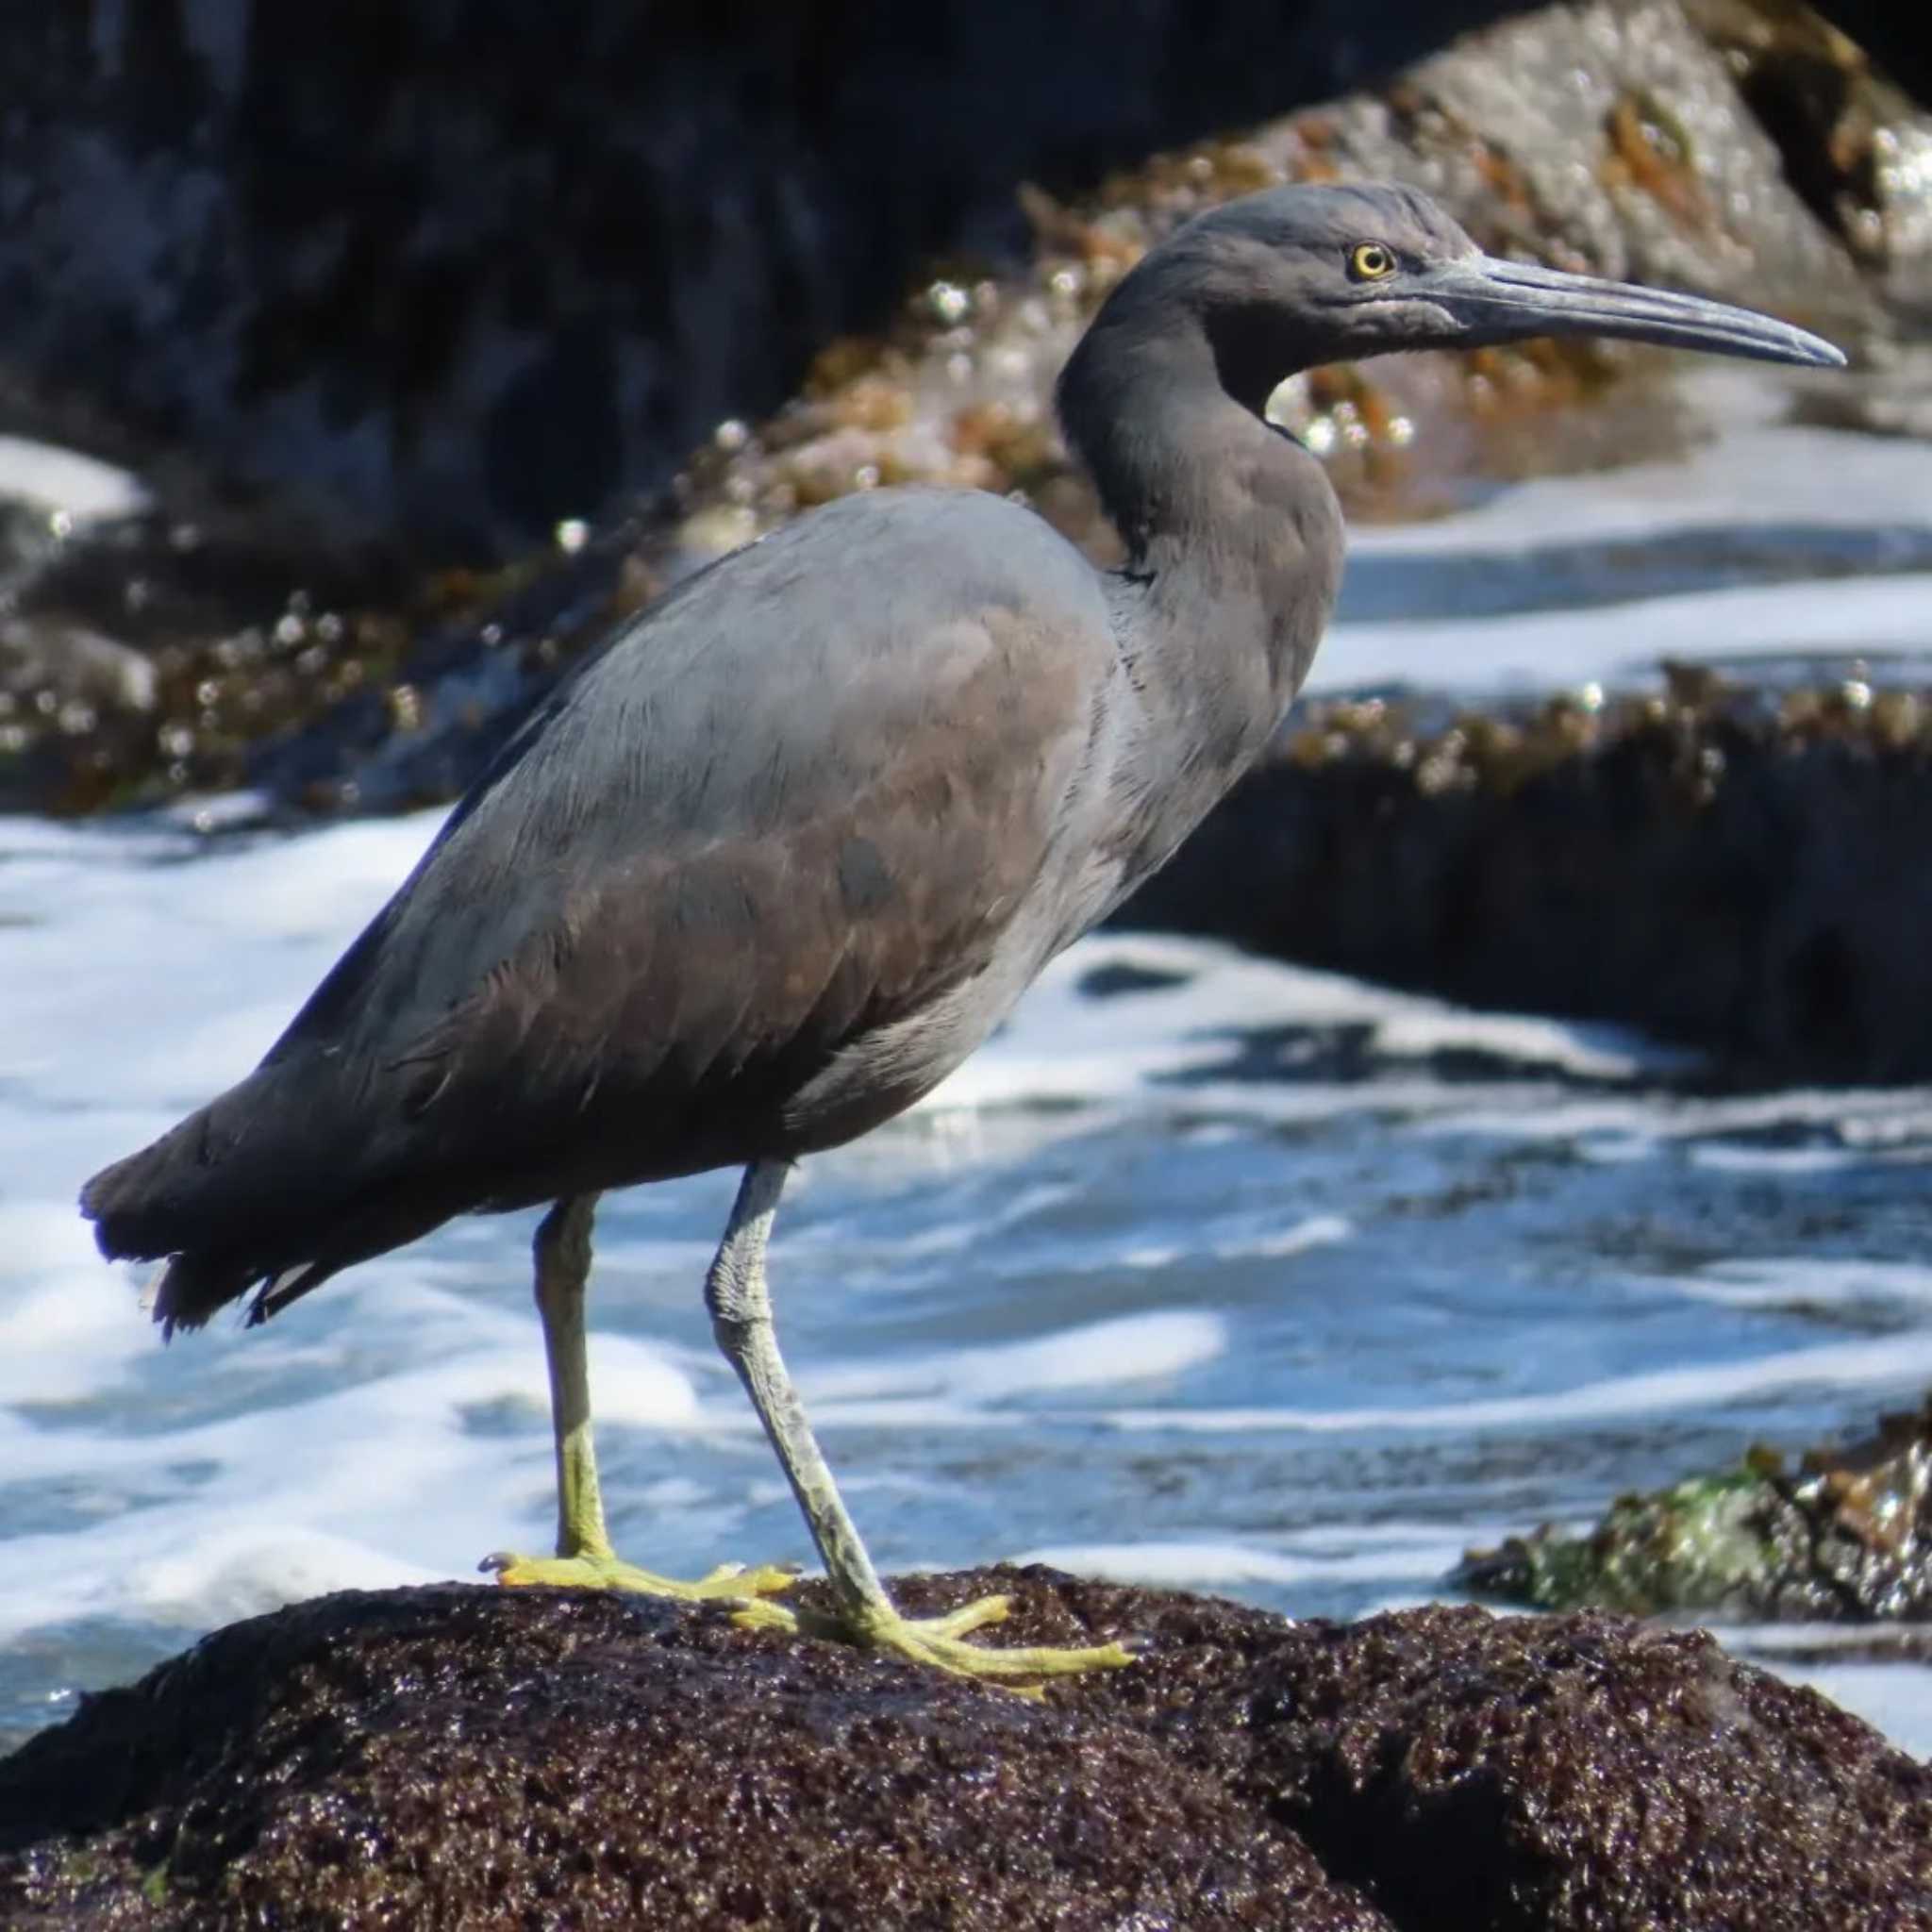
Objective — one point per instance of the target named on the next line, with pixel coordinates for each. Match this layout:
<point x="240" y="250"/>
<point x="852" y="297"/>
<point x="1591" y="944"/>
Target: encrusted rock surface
<point x="1847" y="1534"/>
<point x="470" y="1757"/>
<point x="1715" y="864"/>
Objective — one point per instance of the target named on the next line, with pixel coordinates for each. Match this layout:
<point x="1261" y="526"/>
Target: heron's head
<point x="1295" y="276"/>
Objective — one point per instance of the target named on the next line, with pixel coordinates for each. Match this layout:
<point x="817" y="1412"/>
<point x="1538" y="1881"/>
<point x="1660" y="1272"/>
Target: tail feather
<point x="253" y="1191"/>
<point x="191" y="1288"/>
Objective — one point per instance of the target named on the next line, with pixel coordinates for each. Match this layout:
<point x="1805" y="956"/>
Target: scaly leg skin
<point x="740" y="1307"/>
<point x="584" y="1558"/>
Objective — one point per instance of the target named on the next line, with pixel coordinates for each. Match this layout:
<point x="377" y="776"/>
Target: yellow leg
<point x="740" y="1306"/>
<point x="584" y="1558"/>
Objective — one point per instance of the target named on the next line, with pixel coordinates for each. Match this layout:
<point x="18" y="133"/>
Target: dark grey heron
<point x="768" y="869"/>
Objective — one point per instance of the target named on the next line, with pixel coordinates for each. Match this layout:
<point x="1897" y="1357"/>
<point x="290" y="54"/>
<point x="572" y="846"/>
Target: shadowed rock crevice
<point x="460" y="1754"/>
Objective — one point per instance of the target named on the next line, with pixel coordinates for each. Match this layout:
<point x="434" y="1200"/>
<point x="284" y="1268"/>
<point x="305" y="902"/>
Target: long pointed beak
<point x="1510" y="301"/>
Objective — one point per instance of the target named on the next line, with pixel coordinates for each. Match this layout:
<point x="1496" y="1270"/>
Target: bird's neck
<point x="1232" y="531"/>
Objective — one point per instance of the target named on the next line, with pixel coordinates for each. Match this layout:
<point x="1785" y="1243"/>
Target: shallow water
<point x="1207" y="1271"/>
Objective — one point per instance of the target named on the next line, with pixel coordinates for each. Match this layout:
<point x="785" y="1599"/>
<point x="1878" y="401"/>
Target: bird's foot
<point x="940" y="1642"/>
<point x="729" y="1581"/>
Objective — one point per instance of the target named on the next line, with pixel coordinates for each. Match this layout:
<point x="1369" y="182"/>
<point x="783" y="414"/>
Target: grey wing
<point x="796" y="805"/>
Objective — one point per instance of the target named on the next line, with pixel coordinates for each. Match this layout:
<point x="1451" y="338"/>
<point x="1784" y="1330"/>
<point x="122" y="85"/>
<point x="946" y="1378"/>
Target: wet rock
<point x="1848" y="1534"/>
<point x="462" y="270"/>
<point x="149" y="654"/>
<point x="489" y="1757"/>
<point x="1626" y="136"/>
<point x="1853" y="144"/>
<point x="1618" y="137"/>
<point x="1740" y="869"/>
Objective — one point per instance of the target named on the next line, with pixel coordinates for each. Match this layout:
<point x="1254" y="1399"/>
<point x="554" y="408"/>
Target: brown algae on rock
<point x="463" y="1756"/>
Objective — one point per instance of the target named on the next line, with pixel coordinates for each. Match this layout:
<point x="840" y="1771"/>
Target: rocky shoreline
<point x="461" y="270"/>
<point x="1738" y="866"/>
<point x="470" y="1756"/>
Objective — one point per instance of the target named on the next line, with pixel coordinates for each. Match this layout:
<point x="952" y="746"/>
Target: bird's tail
<point x="253" y="1191"/>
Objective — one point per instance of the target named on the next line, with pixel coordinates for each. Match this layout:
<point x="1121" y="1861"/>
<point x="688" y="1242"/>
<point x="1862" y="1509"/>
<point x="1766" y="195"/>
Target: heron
<point x="758" y="875"/>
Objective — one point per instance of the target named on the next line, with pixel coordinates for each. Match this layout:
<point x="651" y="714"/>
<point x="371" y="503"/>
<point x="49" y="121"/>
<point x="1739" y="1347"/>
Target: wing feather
<point x="792" y="806"/>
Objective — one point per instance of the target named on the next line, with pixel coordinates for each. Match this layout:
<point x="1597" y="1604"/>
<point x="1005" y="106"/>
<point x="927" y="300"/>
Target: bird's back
<point x="746" y="885"/>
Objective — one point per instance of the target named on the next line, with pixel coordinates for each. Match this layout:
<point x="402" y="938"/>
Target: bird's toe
<point x="1020" y="1668"/>
<point x="941" y="1642"/>
<point x="727" y="1582"/>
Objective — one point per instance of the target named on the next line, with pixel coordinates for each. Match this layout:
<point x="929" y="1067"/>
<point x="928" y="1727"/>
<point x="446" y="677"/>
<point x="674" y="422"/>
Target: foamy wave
<point x="1898" y="1361"/>
<point x="249" y="1568"/>
<point x="1126" y="1348"/>
<point x="1214" y="1565"/>
<point x="1535" y="650"/>
<point x="1065" y="1044"/>
<point x="1762" y="473"/>
<point x="1823" y="1281"/>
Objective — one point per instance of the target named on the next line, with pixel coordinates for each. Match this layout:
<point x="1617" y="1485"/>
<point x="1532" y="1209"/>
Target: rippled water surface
<point x="1207" y="1271"/>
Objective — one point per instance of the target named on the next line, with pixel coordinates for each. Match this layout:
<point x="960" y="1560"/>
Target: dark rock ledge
<point x="469" y="1756"/>
<point x="1724" y="865"/>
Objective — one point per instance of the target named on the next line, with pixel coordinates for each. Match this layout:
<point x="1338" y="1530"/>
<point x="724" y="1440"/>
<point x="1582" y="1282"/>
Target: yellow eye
<point x="1369" y="261"/>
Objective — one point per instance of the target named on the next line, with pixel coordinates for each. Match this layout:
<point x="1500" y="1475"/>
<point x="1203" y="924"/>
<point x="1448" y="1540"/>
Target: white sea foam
<point x="1781" y="1281"/>
<point x="82" y="487"/>
<point x="1893" y="1363"/>
<point x="275" y="1504"/>
<point x="1203" y="1565"/>
<point x="1277" y="1243"/>
<point x="1770" y="1160"/>
<point x="1611" y="1123"/>
<point x="1762" y="472"/>
<point x="1624" y="643"/>
<point x="1128" y="1348"/>
<point x="1065" y="1046"/>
